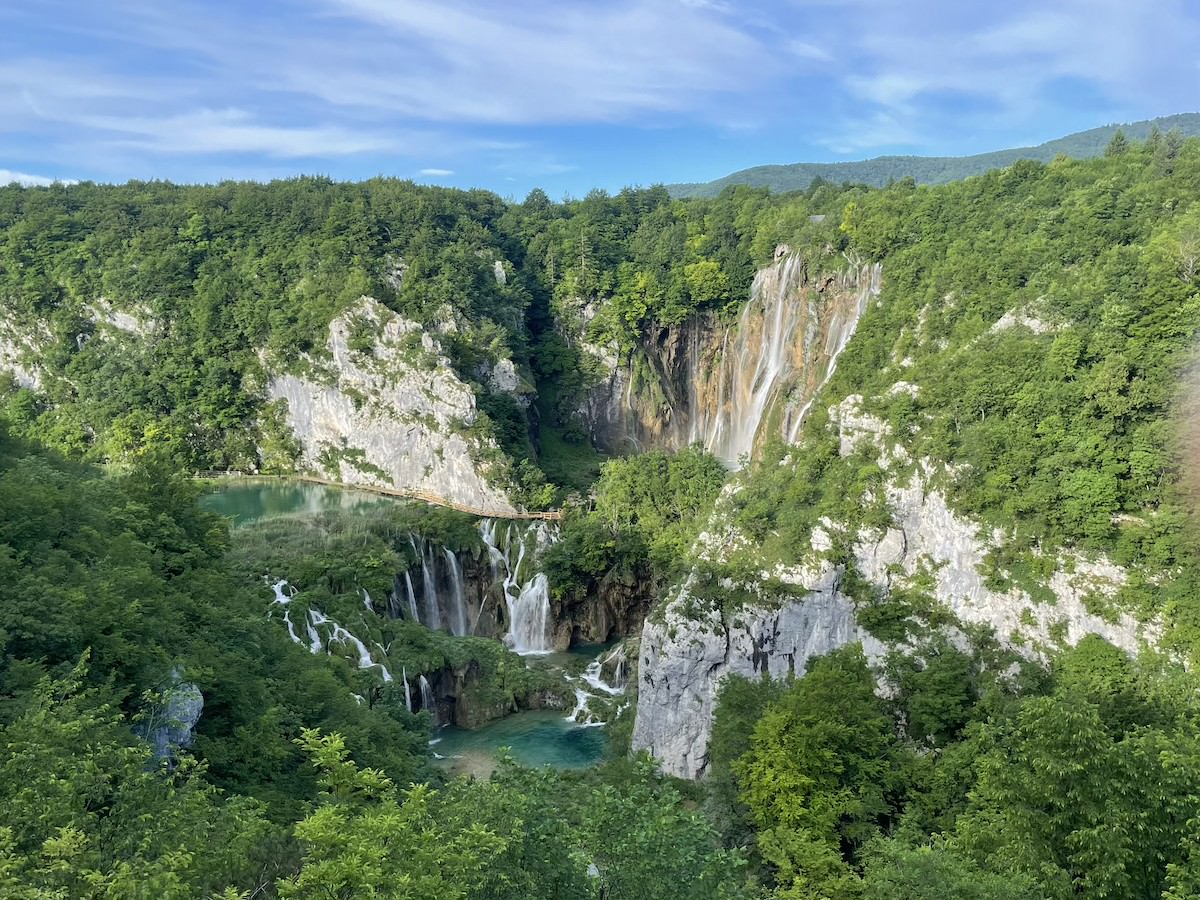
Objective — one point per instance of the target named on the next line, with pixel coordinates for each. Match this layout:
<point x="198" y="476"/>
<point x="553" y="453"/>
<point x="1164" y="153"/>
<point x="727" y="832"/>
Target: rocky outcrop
<point x="691" y="646"/>
<point x="614" y="608"/>
<point x="385" y="408"/>
<point x="20" y="351"/>
<point x="684" y="659"/>
<point x="170" y="724"/>
<point x="721" y="385"/>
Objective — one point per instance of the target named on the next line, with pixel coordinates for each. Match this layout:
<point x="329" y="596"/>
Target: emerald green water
<point x="250" y="501"/>
<point x="534" y="738"/>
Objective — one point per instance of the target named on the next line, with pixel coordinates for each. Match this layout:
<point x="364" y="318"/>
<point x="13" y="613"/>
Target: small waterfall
<point x="283" y="600"/>
<point x="526" y="594"/>
<point x="458" y="618"/>
<point x="314" y="638"/>
<point x="367" y="601"/>
<point x="427" y="701"/>
<point x="433" y="614"/>
<point x="338" y="633"/>
<point x="407" y="689"/>
<point x="412" y="598"/>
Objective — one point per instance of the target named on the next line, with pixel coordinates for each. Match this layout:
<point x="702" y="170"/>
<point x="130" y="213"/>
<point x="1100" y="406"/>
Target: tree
<point x="88" y="815"/>
<point x="366" y="839"/>
<point x="819" y="775"/>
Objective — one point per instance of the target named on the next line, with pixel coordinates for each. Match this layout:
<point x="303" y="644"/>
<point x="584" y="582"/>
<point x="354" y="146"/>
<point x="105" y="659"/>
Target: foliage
<point x="647" y="511"/>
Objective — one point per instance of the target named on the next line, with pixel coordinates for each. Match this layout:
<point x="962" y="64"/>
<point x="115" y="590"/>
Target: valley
<point x="827" y="544"/>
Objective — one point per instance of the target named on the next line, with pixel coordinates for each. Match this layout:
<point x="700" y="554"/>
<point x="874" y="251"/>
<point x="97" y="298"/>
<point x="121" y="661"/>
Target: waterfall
<point x="593" y="677"/>
<point x="338" y="633"/>
<point x="841" y="327"/>
<point x="407" y="689"/>
<point x="429" y="582"/>
<point x="526" y="595"/>
<point x="367" y="601"/>
<point x="784" y="347"/>
<point x="458" y="619"/>
<point x="282" y="599"/>
<point x="427" y="701"/>
<point x="412" y="598"/>
<point x="314" y="638"/>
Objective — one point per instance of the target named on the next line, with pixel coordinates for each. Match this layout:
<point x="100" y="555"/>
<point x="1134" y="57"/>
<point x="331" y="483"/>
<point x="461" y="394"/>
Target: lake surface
<point x="534" y="738"/>
<point x="252" y="500"/>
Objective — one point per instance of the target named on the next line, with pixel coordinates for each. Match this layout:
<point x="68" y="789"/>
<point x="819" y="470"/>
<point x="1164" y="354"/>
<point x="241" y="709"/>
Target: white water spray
<point x="526" y="592"/>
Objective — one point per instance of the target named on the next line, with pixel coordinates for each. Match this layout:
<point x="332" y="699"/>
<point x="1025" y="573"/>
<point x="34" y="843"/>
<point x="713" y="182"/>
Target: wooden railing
<point x="551" y="515"/>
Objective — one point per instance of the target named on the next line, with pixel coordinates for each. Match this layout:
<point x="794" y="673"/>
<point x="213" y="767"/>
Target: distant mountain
<point x="934" y="169"/>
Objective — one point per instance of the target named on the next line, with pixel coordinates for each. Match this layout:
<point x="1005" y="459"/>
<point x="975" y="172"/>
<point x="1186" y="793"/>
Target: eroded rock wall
<point x="392" y="414"/>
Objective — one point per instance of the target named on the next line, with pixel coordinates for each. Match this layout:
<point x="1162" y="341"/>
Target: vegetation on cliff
<point x="1029" y="342"/>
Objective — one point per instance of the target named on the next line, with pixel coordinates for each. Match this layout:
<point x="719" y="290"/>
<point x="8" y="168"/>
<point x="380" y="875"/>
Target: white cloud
<point x="437" y="173"/>
<point x="477" y="62"/>
<point x="206" y="131"/>
<point x="8" y="176"/>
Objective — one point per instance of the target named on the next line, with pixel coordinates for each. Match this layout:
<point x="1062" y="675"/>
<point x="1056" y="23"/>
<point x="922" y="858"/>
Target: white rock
<point x="404" y="410"/>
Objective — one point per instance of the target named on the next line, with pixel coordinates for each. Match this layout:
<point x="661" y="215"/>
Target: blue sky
<point x="562" y="94"/>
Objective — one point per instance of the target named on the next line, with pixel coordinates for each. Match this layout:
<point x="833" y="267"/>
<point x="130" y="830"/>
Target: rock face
<point x="388" y="412"/>
<point x="722" y="385"/>
<point x="684" y="659"/>
<point x="685" y="655"/>
<point x="19" y="352"/>
<point x="170" y="725"/>
<point x="615" y="608"/>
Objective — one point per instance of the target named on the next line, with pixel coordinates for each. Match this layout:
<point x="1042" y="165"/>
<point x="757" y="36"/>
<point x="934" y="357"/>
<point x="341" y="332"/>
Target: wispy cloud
<point x="8" y="176"/>
<point x="546" y="88"/>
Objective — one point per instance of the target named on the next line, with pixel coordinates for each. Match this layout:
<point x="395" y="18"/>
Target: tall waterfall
<point x="782" y="350"/>
<point x="443" y="600"/>
<point x="526" y="591"/>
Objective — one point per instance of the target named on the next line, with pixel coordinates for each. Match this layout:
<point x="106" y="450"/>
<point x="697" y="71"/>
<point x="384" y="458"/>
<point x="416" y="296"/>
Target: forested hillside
<point x="965" y="500"/>
<point x="883" y="170"/>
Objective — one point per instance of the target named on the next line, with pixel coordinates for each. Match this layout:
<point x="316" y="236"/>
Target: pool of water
<point x="534" y="738"/>
<point x="250" y="501"/>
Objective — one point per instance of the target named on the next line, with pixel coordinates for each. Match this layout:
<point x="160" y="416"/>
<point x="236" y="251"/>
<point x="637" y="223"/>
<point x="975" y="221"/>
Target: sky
<point x="566" y="95"/>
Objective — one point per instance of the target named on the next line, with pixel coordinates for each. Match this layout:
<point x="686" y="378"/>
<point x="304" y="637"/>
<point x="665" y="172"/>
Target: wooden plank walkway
<point x="551" y="515"/>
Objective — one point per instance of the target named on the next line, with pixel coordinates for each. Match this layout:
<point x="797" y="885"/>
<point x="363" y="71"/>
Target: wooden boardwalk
<point x="552" y="515"/>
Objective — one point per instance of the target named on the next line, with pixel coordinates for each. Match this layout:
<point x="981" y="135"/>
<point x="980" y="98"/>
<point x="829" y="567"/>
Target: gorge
<point x="807" y="531"/>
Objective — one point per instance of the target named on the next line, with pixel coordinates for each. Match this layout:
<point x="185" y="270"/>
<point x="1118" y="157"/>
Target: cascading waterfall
<point x="526" y="593"/>
<point x="407" y="690"/>
<point x="337" y="632"/>
<point x="283" y="600"/>
<point x="784" y="347"/>
<point x="593" y="677"/>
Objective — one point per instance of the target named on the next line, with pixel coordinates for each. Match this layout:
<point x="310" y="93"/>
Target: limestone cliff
<point x="725" y="385"/>
<point x="686" y="653"/>
<point x="384" y="407"/>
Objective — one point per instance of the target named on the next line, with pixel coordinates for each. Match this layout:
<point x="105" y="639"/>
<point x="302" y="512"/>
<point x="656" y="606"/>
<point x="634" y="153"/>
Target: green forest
<point x="958" y="766"/>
